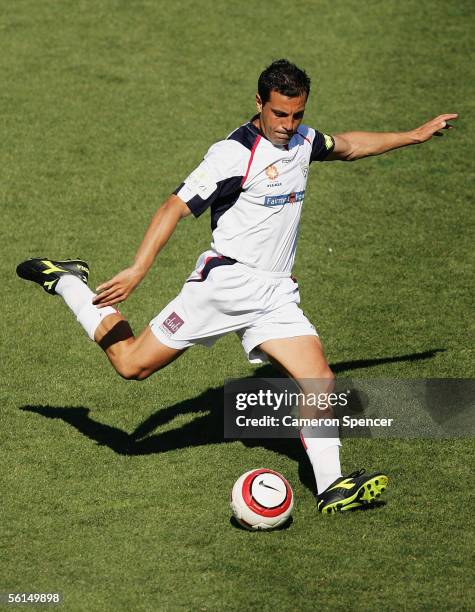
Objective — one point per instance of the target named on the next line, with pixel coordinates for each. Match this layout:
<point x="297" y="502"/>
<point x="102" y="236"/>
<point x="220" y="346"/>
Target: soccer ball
<point x="262" y="499"/>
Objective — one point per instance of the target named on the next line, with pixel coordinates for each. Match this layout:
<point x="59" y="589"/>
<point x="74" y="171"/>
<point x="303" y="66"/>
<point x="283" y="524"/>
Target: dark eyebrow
<point x="281" y="112"/>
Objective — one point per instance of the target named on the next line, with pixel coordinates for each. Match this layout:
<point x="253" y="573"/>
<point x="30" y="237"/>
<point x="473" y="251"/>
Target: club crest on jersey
<point x="171" y="324"/>
<point x="272" y="172"/>
<point x="286" y="198"/>
<point x="304" y="168"/>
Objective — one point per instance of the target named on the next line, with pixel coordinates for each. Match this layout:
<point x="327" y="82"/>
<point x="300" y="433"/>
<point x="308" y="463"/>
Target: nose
<point x="288" y="124"/>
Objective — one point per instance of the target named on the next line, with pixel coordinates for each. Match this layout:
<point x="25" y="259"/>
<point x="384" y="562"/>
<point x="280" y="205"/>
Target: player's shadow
<point x="201" y="430"/>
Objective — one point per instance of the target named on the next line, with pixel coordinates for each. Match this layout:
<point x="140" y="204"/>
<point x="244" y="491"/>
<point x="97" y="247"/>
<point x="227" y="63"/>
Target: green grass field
<point x="115" y="493"/>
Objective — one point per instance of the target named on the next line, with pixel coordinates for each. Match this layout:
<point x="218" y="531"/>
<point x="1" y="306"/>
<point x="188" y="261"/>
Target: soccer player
<point x="254" y="184"/>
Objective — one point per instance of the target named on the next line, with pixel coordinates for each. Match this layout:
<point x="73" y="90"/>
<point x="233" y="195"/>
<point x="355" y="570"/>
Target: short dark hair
<point x="285" y="78"/>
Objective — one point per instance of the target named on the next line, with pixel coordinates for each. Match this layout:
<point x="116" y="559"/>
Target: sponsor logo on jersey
<point x="286" y="198"/>
<point x="272" y="172"/>
<point x="172" y="324"/>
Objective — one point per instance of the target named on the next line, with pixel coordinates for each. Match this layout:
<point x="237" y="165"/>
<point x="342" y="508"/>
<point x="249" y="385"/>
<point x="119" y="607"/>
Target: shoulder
<point x="311" y="135"/>
<point x="232" y="153"/>
<point x="246" y="135"/>
<point x="306" y="134"/>
<point x="321" y="144"/>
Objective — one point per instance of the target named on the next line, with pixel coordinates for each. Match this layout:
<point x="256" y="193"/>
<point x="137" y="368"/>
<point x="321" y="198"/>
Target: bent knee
<point x="131" y="371"/>
<point x="321" y="373"/>
<point x="326" y="374"/>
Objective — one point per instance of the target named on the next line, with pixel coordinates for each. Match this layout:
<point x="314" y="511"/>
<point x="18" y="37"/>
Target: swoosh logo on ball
<point x="263" y="484"/>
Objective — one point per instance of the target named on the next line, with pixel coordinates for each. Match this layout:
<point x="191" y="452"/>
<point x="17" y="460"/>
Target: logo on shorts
<point x="172" y="324"/>
<point x="272" y="172"/>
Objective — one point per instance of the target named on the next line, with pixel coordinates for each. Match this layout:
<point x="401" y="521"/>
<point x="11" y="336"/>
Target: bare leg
<point x="302" y="358"/>
<point x="133" y="358"/>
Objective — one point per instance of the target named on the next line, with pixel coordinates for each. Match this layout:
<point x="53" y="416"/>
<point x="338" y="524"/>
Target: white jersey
<point x="255" y="191"/>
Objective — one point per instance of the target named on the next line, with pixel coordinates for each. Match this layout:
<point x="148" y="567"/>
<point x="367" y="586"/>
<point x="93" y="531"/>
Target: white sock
<point x="74" y="292"/>
<point x="79" y="298"/>
<point x="324" y="455"/>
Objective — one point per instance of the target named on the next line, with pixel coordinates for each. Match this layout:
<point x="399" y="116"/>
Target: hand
<point x="118" y="288"/>
<point x="433" y="127"/>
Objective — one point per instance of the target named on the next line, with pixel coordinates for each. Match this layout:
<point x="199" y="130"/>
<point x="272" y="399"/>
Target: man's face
<point x="280" y="116"/>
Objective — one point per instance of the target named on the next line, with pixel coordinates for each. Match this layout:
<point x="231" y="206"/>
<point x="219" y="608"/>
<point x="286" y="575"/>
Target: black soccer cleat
<point x="353" y="491"/>
<point x="47" y="272"/>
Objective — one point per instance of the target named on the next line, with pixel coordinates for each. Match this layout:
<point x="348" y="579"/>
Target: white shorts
<point x="223" y="296"/>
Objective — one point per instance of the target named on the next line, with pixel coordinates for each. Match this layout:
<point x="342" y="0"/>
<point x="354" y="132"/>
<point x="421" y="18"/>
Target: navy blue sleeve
<point x="216" y="179"/>
<point x="322" y="146"/>
<point x="226" y="191"/>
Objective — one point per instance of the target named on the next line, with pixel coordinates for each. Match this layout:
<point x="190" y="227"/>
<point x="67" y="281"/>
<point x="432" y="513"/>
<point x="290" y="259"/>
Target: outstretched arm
<point x="162" y="226"/>
<point x="355" y="145"/>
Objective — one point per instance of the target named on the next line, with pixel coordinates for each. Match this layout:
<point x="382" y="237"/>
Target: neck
<point x="256" y="121"/>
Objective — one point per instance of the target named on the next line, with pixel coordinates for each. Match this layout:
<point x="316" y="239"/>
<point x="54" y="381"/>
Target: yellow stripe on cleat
<point x="50" y="267"/>
<point x="348" y="483"/>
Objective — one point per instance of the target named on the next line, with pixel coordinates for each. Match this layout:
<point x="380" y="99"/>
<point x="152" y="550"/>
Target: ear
<point x="258" y="103"/>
